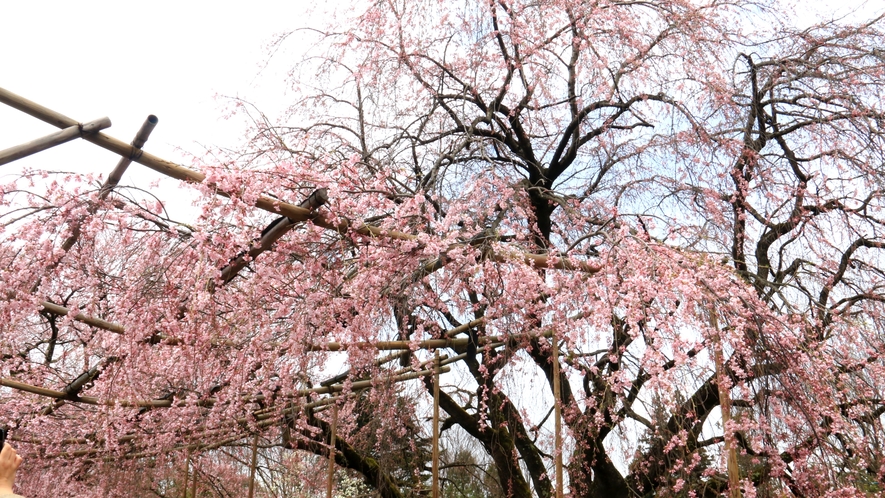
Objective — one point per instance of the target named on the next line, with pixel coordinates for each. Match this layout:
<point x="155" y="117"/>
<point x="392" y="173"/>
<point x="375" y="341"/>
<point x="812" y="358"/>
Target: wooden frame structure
<point x="291" y="215"/>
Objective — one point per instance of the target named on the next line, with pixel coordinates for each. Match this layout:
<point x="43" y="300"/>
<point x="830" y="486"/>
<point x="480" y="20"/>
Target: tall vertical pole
<point x="193" y="479"/>
<point x="330" y="478"/>
<point x="252" y="467"/>
<point x="557" y="421"/>
<point x="734" y="477"/>
<point x="435" y="491"/>
<point x="187" y="465"/>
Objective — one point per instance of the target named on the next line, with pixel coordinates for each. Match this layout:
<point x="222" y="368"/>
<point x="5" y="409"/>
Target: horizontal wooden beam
<point x="56" y="309"/>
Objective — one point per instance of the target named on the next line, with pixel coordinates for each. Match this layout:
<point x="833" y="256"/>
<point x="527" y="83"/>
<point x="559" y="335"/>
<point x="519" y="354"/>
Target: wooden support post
<point x="557" y="420"/>
<point x="253" y="466"/>
<point x="734" y="476"/>
<point x="57" y="138"/>
<point x="436" y="368"/>
<point x="330" y="478"/>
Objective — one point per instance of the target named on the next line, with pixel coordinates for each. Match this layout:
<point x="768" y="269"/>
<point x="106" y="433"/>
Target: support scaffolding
<point x="274" y="413"/>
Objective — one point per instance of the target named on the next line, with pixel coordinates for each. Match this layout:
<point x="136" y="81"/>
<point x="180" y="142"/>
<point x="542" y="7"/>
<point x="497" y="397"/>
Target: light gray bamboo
<point x="66" y="135"/>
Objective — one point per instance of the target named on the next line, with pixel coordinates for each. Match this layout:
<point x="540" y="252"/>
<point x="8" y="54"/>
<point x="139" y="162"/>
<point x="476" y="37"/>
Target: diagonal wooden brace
<point x="270" y="235"/>
<point x="138" y="142"/>
<point x="66" y="135"/>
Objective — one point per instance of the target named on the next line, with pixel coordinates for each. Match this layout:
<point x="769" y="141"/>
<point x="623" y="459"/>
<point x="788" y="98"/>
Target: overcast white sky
<point x="126" y="60"/>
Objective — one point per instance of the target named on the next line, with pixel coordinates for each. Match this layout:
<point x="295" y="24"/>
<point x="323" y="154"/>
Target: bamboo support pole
<point x="66" y="135"/>
<point x="167" y="403"/>
<point x="112" y="144"/>
<point x="187" y="469"/>
<point x="331" y="346"/>
<point x="262" y="422"/>
<point x="331" y="474"/>
<point x="55" y="309"/>
<point x="269" y="236"/>
<point x="138" y="142"/>
<point x="557" y="424"/>
<point x="390" y="345"/>
<point x="323" y="389"/>
<point x="252" y="466"/>
<point x="294" y="213"/>
<point x="435" y="485"/>
<point x="731" y="463"/>
<point x="193" y="479"/>
<point x="393" y="357"/>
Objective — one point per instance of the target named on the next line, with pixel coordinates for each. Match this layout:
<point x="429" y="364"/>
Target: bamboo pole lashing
<point x="73" y="389"/>
<point x="53" y="139"/>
